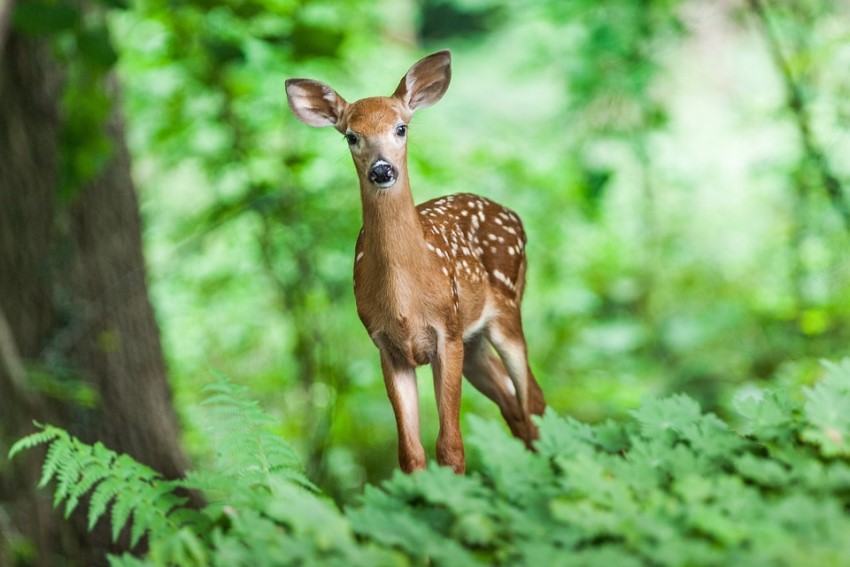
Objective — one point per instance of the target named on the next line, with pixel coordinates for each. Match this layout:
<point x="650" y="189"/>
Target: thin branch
<point x="11" y="360"/>
<point x="796" y="103"/>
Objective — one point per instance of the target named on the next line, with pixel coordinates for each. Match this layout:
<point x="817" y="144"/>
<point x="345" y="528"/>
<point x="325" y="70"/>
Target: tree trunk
<point x="74" y="304"/>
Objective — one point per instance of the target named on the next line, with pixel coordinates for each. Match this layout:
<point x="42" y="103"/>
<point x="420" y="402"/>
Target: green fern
<point x="132" y="489"/>
<point x="252" y="465"/>
<point x="247" y="450"/>
<point x="35" y="439"/>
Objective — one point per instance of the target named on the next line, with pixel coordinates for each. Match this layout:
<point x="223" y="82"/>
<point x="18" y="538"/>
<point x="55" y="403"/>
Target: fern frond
<point x="126" y="560"/>
<point x="33" y="440"/>
<point x="96" y="469"/>
<point x="122" y="508"/>
<point x="151" y="505"/>
<point x="58" y="454"/>
<point x="248" y="451"/>
<point x="69" y="472"/>
<point x="139" y="497"/>
<point x="101" y="497"/>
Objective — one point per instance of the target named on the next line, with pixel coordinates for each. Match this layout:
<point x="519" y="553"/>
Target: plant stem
<point x="794" y="99"/>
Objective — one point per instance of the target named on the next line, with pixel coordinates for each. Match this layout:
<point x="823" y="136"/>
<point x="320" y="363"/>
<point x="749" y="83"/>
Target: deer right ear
<point x="314" y="103"/>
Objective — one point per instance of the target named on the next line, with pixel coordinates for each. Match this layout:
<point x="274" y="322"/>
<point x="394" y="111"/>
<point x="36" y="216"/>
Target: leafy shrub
<point x="674" y="486"/>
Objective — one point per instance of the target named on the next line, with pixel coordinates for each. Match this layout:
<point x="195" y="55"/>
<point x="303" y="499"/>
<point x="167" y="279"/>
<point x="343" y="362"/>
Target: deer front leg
<point x="448" y="371"/>
<point x="400" y="380"/>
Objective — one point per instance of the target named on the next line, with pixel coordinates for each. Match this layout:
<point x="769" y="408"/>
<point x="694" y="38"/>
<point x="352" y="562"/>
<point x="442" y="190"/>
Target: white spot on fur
<point x="503" y="278"/>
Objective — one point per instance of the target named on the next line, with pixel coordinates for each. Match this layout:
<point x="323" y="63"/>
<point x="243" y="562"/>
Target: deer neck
<point x="392" y="232"/>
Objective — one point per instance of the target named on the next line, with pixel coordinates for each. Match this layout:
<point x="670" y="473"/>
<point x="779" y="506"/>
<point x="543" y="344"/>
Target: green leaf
<point x="827" y="411"/>
<point x="308" y="516"/>
<point x="766" y="472"/>
<point x="561" y="436"/>
<point x="767" y="415"/>
<point x="313" y="40"/>
<point x="673" y="414"/>
<point x="515" y="472"/>
<point x="611" y="436"/>
<point x="224" y="51"/>
<point x="122" y="508"/>
<point x="385" y="521"/>
<point x="101" y="497"/>
<point x="475" y="529"/>
<point x="117" y="4"/>
<point x="96" y="47"/>
<point x="34" y="439"/>
<point x="42" y="18"/>
<point x="57" y="454"/>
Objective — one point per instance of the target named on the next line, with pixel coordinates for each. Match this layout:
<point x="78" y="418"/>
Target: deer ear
<point x="426" y="82"/>
<point x="314" y="103"/>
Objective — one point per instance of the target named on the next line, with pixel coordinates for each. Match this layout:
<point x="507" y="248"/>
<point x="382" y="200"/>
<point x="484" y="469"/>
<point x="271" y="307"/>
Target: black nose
<point x="382" y="173"/>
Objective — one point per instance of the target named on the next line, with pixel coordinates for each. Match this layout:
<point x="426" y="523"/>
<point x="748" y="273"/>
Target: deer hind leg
<point x="505" y="333"/>
<point x="488" y="375"/>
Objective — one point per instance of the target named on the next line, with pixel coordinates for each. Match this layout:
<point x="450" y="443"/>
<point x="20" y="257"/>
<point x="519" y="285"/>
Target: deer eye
<point x="401" y="131"/>
<point x="351" y="139"/>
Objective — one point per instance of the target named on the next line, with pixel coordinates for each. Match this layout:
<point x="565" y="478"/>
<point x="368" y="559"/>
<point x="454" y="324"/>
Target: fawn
<point x="438" y="283"/>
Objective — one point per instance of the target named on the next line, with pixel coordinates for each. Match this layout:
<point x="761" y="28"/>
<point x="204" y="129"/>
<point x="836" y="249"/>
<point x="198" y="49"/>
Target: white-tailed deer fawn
<point x="438" y="283"/>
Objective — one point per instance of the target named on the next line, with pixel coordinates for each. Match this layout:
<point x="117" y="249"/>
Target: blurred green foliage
<point x="679" y="239"/>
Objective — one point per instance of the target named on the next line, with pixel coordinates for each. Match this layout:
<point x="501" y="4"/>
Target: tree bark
<point x="5" y="16"/>
<point x="74" y="301"/>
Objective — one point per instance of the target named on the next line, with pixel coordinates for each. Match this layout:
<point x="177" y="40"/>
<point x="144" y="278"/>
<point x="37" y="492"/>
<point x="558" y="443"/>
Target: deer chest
<point x="394" y="314"/>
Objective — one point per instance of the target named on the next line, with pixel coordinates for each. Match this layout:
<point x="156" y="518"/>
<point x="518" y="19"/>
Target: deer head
<point x="376" y="127"/>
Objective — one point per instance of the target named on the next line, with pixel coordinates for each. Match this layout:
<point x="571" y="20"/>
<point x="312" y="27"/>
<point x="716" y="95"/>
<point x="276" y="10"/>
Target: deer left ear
<point x="426" y="82"/>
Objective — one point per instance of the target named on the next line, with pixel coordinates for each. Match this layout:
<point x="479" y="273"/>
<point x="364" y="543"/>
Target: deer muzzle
<point x="383" y="174"/>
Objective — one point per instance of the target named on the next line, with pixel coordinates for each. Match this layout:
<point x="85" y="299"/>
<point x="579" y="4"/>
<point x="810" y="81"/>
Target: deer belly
<point x="412" y="346"/>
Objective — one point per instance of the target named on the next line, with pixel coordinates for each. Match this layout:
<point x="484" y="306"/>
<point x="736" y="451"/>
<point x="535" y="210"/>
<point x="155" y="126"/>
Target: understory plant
<point x="671" y="486"/>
